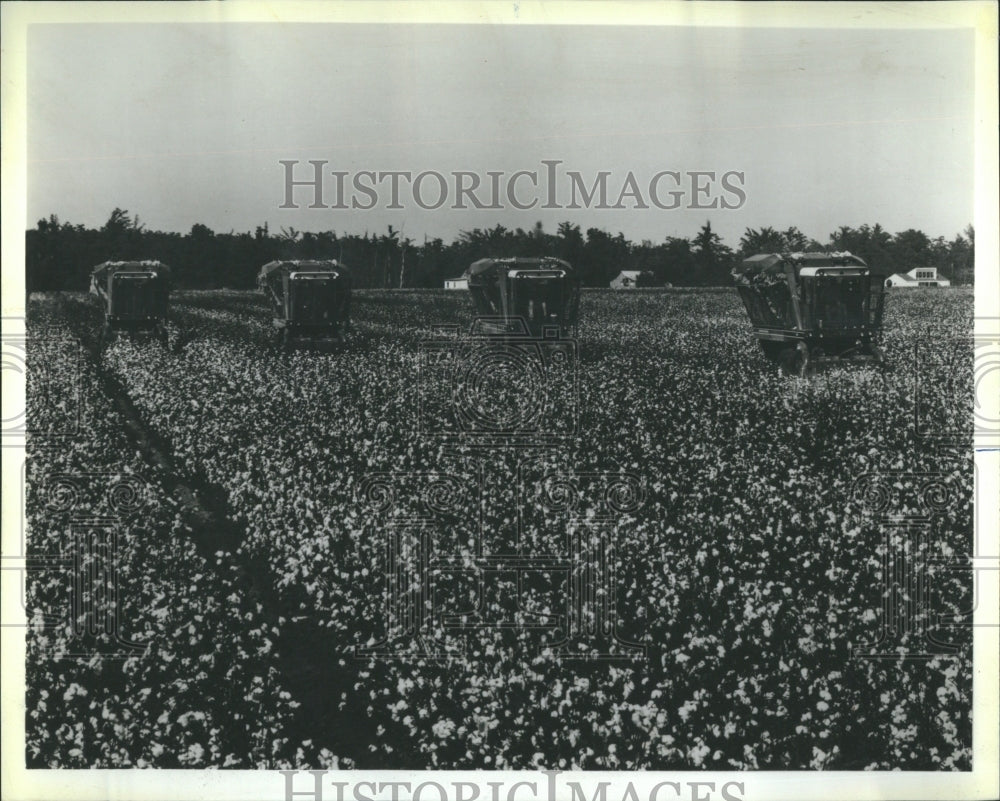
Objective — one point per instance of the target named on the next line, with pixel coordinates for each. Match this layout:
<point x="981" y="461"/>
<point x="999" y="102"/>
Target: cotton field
<point x="664" y="554"/>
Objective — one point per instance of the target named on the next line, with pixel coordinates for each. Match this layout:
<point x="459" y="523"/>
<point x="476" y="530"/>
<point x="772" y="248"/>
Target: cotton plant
<point x="748" y="575"/>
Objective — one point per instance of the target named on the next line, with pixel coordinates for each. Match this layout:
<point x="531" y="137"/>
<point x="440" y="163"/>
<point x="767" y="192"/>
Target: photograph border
<point x="980" y="17"/>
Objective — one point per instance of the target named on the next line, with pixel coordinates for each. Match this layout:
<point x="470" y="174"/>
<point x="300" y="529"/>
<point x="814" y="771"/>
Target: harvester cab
<point x="134" y="295"/>
<point x="310" y="300"/>
<point x="532" y="294"/>
<point x="811" y="310"/>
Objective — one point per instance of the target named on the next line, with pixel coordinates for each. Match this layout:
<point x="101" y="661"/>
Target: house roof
<point x="631" y="273"/>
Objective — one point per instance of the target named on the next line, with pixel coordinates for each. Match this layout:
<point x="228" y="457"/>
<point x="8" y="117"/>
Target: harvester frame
<point x="310" y="300"/>
<point x="811" y="310"/>
<point x="533" y="294"/>
<point x="134" y="296"/>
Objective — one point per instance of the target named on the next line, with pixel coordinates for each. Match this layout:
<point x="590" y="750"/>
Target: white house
<point x="632" y="279"/>
<point x="456" y="283"/>
<point x="920" y="276"/>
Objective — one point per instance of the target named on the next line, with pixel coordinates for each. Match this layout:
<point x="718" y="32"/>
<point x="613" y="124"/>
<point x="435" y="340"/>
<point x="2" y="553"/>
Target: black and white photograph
<point x="500" y="401"/>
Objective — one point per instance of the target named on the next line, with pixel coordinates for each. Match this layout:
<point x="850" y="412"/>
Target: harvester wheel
<point x="795" y="361"/>
<point x="786" y="361"/>
<point x="772" y="351"/>
<point x="802" y="366"/>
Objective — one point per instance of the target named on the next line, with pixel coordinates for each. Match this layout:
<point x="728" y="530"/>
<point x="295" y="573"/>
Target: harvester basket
<point x="309" y="299"/>
<point x="543" y="292"/>
<point x="809" y="309"/>
<point x="134" y="294"/>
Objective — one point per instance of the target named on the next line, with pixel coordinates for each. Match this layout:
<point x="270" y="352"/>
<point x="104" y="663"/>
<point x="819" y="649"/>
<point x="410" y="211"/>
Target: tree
<point x="602" y="257"/>
<point x="121" y="236"/>
<point x="570" y="243"/>
<point x="962" y="257"/>
<point x="763" y="240"/>
<point x="713" y="259"/>
<point x="796" y="241"/>
<point x="118" y="223"/>
<point x="388" y="243"/>
<point x="679" y="265"/>
<point x="911" y="248"/>
<point x="60" y="255"/>
<point x="871" y="243"/>
<point x="404" y="243"/>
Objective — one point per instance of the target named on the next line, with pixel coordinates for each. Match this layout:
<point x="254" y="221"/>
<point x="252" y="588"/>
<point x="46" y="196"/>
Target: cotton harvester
<point x="310" y="300"/>
<point x="134" y="295"/>
<point x="812" y="309"/>
<point x="534" y="294"/>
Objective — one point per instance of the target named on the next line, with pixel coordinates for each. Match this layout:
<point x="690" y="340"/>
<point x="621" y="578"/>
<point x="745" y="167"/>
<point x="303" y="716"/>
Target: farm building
<point x="456" y="283"/>
<point x="920" y="276"/>
<point x="633" y="279"/>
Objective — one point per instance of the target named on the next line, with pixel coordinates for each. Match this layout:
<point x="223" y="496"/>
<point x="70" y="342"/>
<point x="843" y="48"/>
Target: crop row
<point x="749" y="561"/>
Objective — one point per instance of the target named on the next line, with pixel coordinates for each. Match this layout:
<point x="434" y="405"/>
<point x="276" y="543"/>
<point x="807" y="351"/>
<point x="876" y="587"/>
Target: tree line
<point x="60" y="256"/>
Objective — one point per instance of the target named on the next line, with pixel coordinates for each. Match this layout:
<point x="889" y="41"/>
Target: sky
<point x="187" y="123"/>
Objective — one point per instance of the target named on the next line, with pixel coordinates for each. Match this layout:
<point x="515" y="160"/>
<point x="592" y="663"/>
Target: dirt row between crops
<point x="307" y="668"/>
